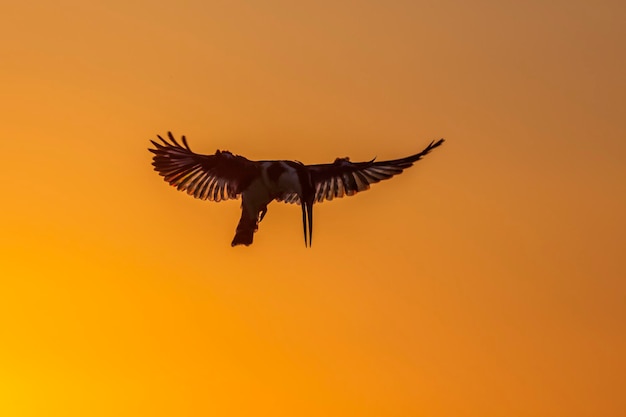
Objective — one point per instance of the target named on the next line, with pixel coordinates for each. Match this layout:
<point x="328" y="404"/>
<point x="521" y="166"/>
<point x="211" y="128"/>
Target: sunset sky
<point x="487" y="280"/>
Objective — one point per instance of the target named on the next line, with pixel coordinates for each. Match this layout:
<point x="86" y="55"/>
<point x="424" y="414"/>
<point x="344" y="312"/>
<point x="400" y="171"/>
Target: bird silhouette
<point x="224" y="176"/>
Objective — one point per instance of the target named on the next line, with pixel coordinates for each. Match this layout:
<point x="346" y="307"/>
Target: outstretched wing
<point x="208" y="177"/>
<point x="347" y="178"/>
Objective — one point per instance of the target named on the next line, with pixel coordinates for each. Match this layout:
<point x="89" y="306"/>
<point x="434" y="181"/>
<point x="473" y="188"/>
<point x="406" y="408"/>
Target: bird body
<point x="276" y="178"/>
<point x="224" y="176"/>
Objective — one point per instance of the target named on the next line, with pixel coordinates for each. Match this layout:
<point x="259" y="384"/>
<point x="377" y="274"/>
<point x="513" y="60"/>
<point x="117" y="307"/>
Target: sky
<point x="487" y="280"/>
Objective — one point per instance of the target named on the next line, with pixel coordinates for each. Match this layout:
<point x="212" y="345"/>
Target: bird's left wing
<point x="345" y="178"/>
<point x="216" y="177"/>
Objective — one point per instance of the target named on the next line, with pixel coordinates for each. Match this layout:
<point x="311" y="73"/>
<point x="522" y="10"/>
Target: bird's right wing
<point x="216" y="177"/>
<point x="347" y="178"/>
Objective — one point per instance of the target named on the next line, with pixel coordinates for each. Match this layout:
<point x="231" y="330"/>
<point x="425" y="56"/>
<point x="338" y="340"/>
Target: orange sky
<point x="488" y="280"/>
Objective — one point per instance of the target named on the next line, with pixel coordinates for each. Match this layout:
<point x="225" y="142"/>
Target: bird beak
<point x="307" y="217"/>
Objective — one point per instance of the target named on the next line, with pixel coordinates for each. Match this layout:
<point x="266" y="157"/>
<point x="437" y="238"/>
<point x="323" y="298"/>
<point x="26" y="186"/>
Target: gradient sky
<point x="488" y="280"/>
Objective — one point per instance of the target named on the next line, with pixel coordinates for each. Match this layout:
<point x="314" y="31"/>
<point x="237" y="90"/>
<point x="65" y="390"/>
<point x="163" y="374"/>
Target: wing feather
<point x="347" y="178"/>
<point x="216" y="177"/>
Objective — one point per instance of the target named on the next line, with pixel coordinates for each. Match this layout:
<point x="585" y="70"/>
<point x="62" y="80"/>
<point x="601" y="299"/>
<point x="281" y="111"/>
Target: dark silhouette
<point x="224" y="176"/>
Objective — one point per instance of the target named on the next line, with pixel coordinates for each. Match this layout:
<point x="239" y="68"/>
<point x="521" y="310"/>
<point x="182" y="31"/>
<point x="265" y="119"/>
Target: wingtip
<point x="434" y="144"/>
<point x="173" y="139"/>
<point x="185" y="143"/>
<point x="166" y="143"/>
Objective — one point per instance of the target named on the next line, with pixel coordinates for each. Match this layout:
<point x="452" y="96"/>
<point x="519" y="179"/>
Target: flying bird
<point x="224" y="176"/>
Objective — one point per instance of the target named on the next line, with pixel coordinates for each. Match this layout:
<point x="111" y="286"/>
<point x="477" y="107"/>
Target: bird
<point x="224" y="175"/>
